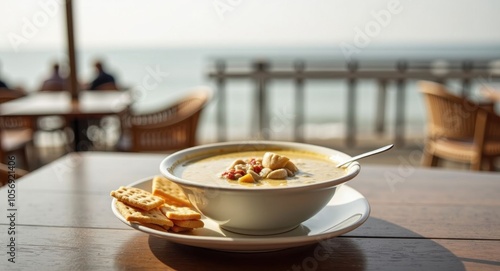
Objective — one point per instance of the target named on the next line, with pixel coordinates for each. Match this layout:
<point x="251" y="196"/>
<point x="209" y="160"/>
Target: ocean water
<point x="159" y="75"/>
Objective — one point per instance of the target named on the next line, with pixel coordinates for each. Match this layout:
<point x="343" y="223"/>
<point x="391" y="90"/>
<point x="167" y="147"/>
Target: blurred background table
<point x="90" y="104"/>
<point x="421" y="219"/>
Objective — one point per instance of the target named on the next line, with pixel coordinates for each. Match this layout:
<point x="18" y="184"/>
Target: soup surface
<point x="312" y="168"/>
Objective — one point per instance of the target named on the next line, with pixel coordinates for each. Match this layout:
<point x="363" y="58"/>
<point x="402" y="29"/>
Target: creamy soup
<point x="312" y="168"/>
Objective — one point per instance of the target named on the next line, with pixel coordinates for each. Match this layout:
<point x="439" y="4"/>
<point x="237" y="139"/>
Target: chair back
<point x="449" y="115"/>
<point x="491" y="123"/>
<point x="13" y="122"/>
<point x="171" y="128"/>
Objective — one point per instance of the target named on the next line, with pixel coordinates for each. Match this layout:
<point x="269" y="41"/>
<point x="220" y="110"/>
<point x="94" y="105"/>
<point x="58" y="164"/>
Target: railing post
<point x="400" y="104"/>
<point x="299" y="100"/>
<point x="261" y="67"/>
<point x="466" y="70"/>
<point x="351" y="104"/>
<point x="381" y="104"/>
<point x="221" y="101"/>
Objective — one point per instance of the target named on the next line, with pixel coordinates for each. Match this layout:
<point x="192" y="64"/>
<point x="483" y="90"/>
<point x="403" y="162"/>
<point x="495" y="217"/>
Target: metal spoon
<point x="366" y="154"/>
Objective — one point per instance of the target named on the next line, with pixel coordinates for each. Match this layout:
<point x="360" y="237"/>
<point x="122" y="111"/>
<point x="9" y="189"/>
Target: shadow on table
<point x="352" y="253"/>
<point x="311" y="257"/>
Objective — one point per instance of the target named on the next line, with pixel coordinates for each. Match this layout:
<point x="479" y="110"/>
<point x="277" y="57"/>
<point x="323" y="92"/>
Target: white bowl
<point x="263" y="210"/>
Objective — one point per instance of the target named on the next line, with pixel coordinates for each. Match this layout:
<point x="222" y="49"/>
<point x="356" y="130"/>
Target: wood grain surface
<point x="421" y="219"/>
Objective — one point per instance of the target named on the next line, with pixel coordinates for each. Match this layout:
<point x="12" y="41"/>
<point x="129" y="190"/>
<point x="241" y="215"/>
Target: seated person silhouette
<point x="2" y="84"/>
<point x="8" y="91"/>
<point x="55" y="82"/>
<point x="103" y="80"/>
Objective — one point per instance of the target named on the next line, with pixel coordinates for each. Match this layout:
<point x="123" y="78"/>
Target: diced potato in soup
<point x="274" y="168"/>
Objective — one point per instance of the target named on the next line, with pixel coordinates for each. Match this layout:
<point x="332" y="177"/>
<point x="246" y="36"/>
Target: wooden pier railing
<point x="261" y="72"/>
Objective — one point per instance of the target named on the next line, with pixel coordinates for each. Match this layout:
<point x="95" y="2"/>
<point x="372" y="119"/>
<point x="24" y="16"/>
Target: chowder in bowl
<point x="261" y="205"/>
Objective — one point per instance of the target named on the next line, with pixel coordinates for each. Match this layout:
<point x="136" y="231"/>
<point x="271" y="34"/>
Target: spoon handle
<point x="366" y="154"/>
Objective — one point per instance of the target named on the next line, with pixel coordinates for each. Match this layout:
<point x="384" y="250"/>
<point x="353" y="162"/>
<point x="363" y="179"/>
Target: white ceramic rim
<point x="174" y="159"/>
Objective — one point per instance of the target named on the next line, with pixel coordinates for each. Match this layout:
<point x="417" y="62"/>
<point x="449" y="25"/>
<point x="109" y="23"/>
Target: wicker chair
<point x="16" y="133"/>
<point x="168" y="129"/>
<point x="459" y="130"/>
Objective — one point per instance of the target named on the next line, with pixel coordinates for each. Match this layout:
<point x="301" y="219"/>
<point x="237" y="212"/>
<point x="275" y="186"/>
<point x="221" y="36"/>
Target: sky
<point x="40" y="24"/>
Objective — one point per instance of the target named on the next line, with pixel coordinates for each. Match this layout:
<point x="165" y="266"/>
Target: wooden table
<point x="91" y="104"/>
<point x="421" y="219"/>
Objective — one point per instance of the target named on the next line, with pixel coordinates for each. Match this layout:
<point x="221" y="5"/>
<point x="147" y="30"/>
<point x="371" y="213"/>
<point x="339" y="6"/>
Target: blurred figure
<point x="103" y="80"/>
<point x="55" y="82"/>
<point x="2" y="83"/>
<point x="7" y="92"/>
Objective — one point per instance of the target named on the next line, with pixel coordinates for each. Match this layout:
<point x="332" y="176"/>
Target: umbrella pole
<point x="73" y="82"/>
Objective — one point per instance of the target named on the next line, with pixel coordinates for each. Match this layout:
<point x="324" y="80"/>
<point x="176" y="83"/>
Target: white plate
<point x="347" y="210"/>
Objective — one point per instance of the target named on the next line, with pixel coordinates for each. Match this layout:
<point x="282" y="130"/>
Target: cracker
<point x="192" y="223"/>
<point x="137" y="198"/>
<point x="169" y="191"/>
<point x="179" y="213"/>
<point x="133" y="214"/>
<point x="175" y="228"/>
<point x="156" y="227"/>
